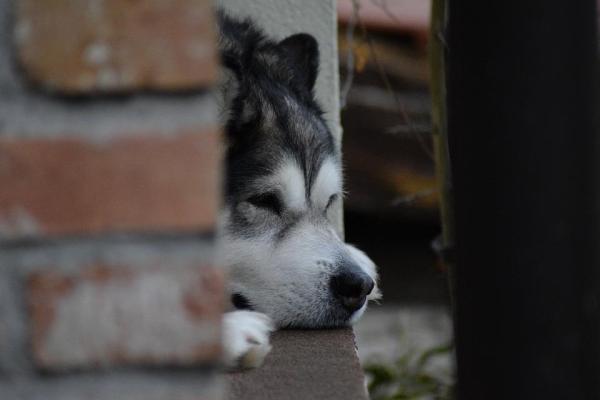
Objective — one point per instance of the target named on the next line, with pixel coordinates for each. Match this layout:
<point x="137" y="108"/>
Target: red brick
<point x="116" y="45"/>
<point x="67" y="186"/>
<point x="119" y="315"/>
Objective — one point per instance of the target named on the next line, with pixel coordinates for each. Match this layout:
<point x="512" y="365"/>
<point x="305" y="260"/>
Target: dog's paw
<point x="246" y="339"/>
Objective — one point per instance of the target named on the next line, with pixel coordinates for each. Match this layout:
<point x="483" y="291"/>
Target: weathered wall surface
<point x="110" y="188"/>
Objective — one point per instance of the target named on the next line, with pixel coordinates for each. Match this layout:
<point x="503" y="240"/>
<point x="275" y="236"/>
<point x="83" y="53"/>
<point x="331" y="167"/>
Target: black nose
<point x="351" y="286"/>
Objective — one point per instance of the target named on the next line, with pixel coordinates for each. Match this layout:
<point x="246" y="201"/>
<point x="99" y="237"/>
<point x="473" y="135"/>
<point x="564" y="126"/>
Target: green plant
<point x="409" y="378"/>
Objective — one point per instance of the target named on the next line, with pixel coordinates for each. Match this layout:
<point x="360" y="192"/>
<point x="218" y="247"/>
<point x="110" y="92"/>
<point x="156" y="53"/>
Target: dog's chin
<point x="357" y="314"/>
<point x="332" y="318"/>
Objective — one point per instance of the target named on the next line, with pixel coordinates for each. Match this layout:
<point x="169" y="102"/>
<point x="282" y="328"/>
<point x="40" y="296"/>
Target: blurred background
<point x="391" y="208"/>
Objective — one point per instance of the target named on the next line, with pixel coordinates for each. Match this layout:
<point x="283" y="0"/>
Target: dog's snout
<point x="351" y="286"/>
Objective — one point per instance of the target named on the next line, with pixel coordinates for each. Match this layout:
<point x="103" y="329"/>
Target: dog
<point x="287" y="266"/>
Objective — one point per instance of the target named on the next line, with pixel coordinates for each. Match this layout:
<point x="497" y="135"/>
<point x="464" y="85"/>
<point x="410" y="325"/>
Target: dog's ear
<point x="301" y="52"/>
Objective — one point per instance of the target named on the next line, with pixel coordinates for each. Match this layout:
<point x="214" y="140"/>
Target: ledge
<point x="317" y="364"/>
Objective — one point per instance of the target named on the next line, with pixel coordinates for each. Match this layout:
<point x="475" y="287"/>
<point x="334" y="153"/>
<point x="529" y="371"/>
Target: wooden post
<point x="522" y="80"/>
<point x="437" y="64"/>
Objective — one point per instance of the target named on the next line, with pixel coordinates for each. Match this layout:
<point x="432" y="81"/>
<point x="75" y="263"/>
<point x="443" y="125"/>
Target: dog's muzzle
<point x="351" y="286"/>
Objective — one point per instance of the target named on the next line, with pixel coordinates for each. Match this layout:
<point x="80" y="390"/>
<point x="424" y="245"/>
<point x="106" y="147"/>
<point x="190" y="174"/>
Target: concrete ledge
<point x="318" y="364"/>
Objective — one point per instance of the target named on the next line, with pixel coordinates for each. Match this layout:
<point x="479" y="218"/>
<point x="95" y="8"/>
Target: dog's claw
<point x="246" y="339"/>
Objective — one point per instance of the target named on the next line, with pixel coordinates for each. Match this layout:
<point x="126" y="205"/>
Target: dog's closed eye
<point x="267" y="201"/>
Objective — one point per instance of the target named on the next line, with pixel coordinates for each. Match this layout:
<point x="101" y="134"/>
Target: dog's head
<point x="283" y="179"/>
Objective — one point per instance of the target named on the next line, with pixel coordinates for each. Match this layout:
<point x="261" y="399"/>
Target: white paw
<point x="246" y="338"/>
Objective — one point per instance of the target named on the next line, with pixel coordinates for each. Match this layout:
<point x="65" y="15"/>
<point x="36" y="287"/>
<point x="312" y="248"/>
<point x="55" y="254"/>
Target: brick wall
<point x="109" y="191"/>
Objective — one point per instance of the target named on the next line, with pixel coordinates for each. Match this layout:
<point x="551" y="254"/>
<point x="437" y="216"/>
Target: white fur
<point x="358" y="313"/>
<point x="246" y="338"/>
<point x="280" y="278"/>
<point x="291" y="180"/>
<point x="327" y="183"/>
